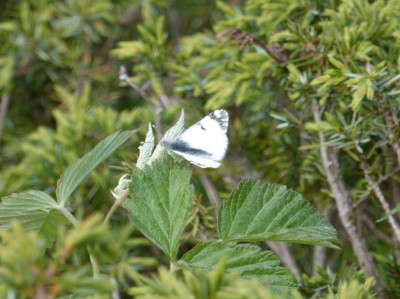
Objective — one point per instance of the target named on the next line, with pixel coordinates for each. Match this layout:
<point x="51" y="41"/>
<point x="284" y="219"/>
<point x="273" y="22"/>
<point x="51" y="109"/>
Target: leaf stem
<point x="68" y="215"/>
<point x="116" y="204"/>
<point x="72" y="219"/>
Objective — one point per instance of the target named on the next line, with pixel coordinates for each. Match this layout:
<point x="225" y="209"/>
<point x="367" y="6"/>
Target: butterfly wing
<point x="204" y="143"/>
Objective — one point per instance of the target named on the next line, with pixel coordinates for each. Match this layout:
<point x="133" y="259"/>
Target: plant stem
<point x="74" y="222"/>
<point x="68" y="215"/>
<point x="157" y="108"/>
<point x="116" y="204"/>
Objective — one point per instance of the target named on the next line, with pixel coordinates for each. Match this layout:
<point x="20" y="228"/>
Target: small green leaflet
<point x="266" y="212"/>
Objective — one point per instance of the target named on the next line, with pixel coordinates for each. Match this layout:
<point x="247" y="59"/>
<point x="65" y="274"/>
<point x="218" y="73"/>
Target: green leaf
<point x="261" y="212"/>
<point x="395" y="210"/>
<point x="247" y="260"/>
<point x="146" y="149"/>
<point x="160" y="202"/>
<point x="35" y="210"/>
<point x="358" y="96"/>
<point x="339" y="65"/>
<point x="79" y="170"/>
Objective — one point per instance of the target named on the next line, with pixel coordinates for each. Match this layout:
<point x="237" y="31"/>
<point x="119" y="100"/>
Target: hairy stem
<point x="116" y="204"/>
<point x="68" y="215"/>
<point x="74" y="222"/>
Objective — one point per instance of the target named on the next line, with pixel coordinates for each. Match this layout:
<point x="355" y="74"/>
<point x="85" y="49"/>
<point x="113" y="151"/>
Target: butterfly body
<point x="204" y="143"/>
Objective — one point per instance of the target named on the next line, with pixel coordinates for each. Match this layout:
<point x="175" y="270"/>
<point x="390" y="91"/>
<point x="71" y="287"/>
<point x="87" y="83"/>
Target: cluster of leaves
<point x="160" y="202"/>
<point x="274" y="61"/>
<point x="267" y="63"/>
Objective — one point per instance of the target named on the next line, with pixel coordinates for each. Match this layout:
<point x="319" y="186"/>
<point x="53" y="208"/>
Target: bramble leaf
<point x="160" y="202"/>
<point x="266" y="212"/>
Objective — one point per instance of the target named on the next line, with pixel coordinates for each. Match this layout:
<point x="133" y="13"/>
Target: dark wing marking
<point x="222" y="117"/>
<point x="183" y="147"/>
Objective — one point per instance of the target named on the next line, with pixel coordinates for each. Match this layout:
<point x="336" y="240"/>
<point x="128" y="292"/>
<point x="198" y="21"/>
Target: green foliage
<point x="269" y="64"/>
<point x="38" y="211"/>
<point x="248" y="261"/>
<point x="214" y="284"/>
<point x="31" y="273"/>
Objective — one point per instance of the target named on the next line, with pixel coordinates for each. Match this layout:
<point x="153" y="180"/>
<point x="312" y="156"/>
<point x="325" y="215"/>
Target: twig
<point x="391" y="123"/>
<point x="342" y="197"/>
<point x="376" y="232"/>
<point x="379" y="181"/>
<point x="283" y="251"/>
<point x="173" y="20"/>
<point x="74" y="222"/>
<point x="116" y="204"/>
<point x="210" y="190"/>
<point x="245" y="39"/>
<point x="5" y="100"/>
<point x="157" y="108"/>
<point x="319" y="253"/>
<point x="366" y="168"/>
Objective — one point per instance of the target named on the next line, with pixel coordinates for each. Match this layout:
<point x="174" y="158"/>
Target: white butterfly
<point x="205" y="143"/>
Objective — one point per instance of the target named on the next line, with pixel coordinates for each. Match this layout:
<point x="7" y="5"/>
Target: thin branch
<point x="320" y="252"/>
<point x="116" y="204"/>
<point x="157" y="108"/>
<point x="341" y="194"/>
<point x="391" y="123"/>
<point x="366" y="168"/>
<point x="5" y="101"/>
<point x="210" y="190"/>
<point x="174" y="24"/>
<point x="74" y="222"/>
<point x="244" y="39"/>
<point x="375" y="231"/>
<point x="283" y="251"/>
<point x="381" y="179"/>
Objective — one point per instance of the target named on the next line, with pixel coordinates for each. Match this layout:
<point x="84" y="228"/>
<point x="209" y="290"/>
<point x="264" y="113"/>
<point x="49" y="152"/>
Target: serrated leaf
<point x="146" y="149"/>
<point x="79" y="170"/>
<point x="160" y="202"/>
<point x="262" y="212"/>
<point x="35" y="210"/>
<point x="247" y="260"/>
